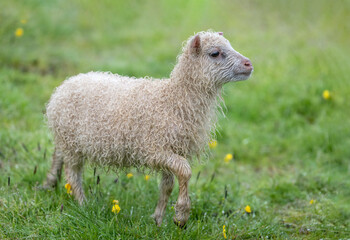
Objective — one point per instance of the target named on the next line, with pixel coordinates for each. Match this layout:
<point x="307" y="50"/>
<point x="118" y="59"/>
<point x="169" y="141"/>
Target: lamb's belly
<point x="109" y="152"/>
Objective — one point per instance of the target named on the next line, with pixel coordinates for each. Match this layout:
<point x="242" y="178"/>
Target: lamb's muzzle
<point x="120" y="122"/>
<point x="248" y="65"/>
<point x="246" y="68"/>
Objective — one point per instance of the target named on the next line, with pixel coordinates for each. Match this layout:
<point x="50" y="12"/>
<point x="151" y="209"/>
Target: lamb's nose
<point x="248" y="64"/>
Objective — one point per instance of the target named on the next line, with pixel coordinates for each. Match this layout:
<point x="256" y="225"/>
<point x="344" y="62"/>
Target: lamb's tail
<point x="55" y="171"/>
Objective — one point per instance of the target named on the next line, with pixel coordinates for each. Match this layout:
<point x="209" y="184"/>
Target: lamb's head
<point x="213" y="59"/>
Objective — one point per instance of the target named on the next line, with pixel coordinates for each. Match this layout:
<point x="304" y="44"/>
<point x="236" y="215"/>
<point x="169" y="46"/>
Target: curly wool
<point x="119" y="121"/>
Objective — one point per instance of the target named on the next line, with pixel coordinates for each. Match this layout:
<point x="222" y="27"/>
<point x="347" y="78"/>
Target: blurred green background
<point x="290" y="143"/>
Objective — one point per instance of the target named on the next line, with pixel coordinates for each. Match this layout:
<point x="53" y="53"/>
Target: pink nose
<point x="248" y="64"/>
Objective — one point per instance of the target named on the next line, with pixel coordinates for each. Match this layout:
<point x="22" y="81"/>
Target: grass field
<point x="291" y="146"/>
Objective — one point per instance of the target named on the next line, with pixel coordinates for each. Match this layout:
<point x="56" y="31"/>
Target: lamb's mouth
<point x="242" y="75"/>
<point x="245" y="73"/>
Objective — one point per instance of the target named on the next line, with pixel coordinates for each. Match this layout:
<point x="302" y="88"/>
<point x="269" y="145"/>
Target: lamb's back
<point x="99" y="112"/>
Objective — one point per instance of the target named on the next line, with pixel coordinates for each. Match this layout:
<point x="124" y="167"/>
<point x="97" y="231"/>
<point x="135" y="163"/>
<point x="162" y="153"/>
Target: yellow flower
<point x="129" y="175"/>
<point x="247" y="209"/>
<point x="23" y="21"/>
<point x="212" y="144"/>
<point x="147" y="177"/>
<point x="69" y="188"/>
<point x="312" y="201"/>
<point x="224" y="231"/>
<point x="326" y="95"/>
<point x="19" y="32"/>
<point x="228" y="157"/>
<point x="115" y="202"/>
<point x="116" y="208"/>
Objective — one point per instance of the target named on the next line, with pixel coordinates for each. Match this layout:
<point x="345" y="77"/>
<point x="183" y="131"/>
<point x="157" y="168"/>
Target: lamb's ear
<point x="196" y="45"/>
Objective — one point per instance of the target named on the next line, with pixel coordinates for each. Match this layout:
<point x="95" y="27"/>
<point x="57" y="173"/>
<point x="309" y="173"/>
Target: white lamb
<point x="116" y="121"/>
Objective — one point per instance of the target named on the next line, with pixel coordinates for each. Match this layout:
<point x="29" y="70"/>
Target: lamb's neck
<point x="195" y="99"/>
<point x="194" y="87"/>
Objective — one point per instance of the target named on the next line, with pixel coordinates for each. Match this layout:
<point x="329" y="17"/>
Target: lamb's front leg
<point x="180" y="167"/>
<point x="166" y="187"/>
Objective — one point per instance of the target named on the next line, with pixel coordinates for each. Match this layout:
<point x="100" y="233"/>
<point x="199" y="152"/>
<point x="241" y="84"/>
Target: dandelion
<point x="147" y="177"/>
<point x="129" y="175"/>
<point x="312" y="201"/>
<point x="19" y="32"/>
<point x="326" y="95"/>
<point x="116" y="208"/>
<point x="224" y="231"/>
<point x="69" y="188"/>
<point x="228" y="158"/>
<point x="23" y="21"/>
<point x="212" y="144"/>
<point x="248" y="209"/>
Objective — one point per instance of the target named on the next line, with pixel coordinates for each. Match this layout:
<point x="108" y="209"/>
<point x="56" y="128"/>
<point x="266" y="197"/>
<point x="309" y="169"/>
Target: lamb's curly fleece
<point x="122" y="121"/>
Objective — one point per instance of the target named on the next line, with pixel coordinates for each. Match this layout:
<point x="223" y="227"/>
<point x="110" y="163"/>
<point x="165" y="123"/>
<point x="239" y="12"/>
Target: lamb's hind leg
<point x="166" y="187"/>
<point x="56" y="169"/>
<point x="73" y="173"/>
<point x="180" y="167"/>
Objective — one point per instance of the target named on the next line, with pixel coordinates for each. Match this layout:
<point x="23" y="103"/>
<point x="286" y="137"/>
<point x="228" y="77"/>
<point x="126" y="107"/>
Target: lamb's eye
<point x="215" y="54"/>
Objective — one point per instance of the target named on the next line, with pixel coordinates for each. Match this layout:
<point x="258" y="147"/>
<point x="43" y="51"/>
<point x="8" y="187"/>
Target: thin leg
<point x="166" y="187"/>
<point x="73" y="174"/>
<point x="55" y="171"/>
<point x="180" y="167"/>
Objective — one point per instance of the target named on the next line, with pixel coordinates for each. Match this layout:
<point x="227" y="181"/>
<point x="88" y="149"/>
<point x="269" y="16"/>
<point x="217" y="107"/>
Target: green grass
<point x="289" y="144"/>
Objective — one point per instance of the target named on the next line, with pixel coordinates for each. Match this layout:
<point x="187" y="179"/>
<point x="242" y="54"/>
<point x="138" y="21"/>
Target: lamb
<point x="159" y="124"/>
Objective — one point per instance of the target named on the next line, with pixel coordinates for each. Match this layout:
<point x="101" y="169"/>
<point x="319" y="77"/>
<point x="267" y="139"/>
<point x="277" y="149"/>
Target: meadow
<point x="287" y="127"/>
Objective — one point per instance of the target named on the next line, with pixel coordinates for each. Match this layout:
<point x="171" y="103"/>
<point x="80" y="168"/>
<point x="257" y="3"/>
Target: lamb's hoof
<point x="157" y="220"/>
<point x="180" y="224"/>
